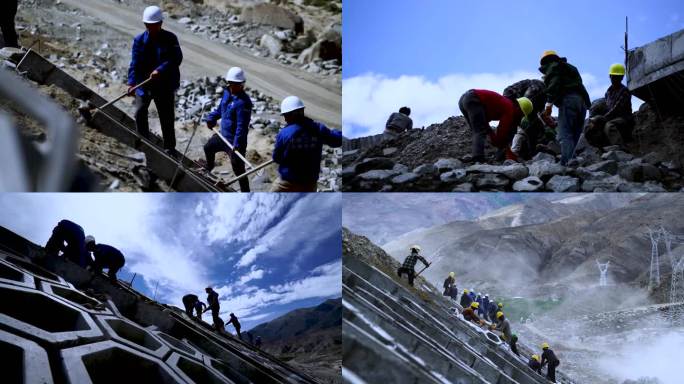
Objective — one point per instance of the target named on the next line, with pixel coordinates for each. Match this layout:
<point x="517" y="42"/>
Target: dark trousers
<point x="215" y="317"/>
<point x="476" y="117"/>
<point x="165" y="103"/>
<point x="112" y="268"/>
<point x="8" y="10"/>
<point x="551" y="371"/>
<point x="571" y="113"/>
<point x="215" y="145"/>
<point x="188" y="304"/>
<point x="410" y="272"/>
<point x="74" y="249"/>
<point x="514" y="345"/>
<point x="237" y="329"/>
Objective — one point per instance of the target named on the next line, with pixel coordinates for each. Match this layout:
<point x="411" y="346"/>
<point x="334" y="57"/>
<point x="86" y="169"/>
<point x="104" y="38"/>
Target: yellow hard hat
<point x="416" y="247"/>
<point x="525" y="105"/>
<point x="465" y="291"/>
<point x="617" y="69"/>
<point x="475" y="304"/>
<point x="545" y="345"/>
<point x="500" y="305"/>
<point x="547" y="53"/>
<point x="451" y="274"/>
<point x="535" y="357"/>
<point x="499" y="314"/>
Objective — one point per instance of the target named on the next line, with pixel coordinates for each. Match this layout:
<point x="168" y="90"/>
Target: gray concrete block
<point x="133" y="335"/>
<point x="23" y="360"/>
<point x="193" y="371"/>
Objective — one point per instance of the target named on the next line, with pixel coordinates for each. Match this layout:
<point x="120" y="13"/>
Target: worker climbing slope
<point x="235" y="113"/>
<point x="156" y="55"/>
<point x="398" y="122"/>
<point x="548" y="357"/>
<point x="69" y="238"/>
<point x="450" y="286"/>
<point x="408" y="267"/>
<point x="105" y="256"/>
<point x="236" y="323"/>
<point x="214" y="306"/>
<point x="299" y="147"/>
<point x="189" y="302"/>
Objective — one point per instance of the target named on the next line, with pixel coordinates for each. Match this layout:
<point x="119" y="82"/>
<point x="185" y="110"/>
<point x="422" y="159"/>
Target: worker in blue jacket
<point x="156" y="54"/>
<point x="299" y="148"/>
<point x="69" y="238"/>
<point x="105" y="256"/>
<point x="235" y="112"/>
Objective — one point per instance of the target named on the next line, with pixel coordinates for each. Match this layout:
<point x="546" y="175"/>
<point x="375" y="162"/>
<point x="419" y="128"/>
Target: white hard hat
<point x="152" y="15"/>
<point x="416" y="247"/>
<point x="89" y="239"/>
<point x="291" y="103"/>
<point x="235" y="75"/>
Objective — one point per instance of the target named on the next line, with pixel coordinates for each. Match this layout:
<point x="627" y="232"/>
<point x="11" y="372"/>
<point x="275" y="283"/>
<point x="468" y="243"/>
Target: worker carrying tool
<point x="565" y="90"/>
<point x="234" y="320"/>
<point x="409" y="264"/>
<point x="548" y="357"/>
<point x="69" y="238"/>
<point x="398" y="122"/>
<point x="450" y="286"/>
<point x="235" y="113"/>
<point x="214" y="306"/>
<point x="502" y="325"/>
<point x="156" y="55"/>
<point x="105" y="256"/>
<point x="299" y="148"/>
<point x="470" y="313"/>
<point x="479" y="107"/>
<point x="614" y="127"/>
<point x="189" y="302"/>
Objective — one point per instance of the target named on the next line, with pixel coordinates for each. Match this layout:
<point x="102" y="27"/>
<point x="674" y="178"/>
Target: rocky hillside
<point x="431" y="159"/>
<point x="308" y="338"/>
<point x="561" y="252"/>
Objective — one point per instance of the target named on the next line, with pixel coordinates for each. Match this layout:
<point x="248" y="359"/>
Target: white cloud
<point x="253" y="274"/>
<point x="370" y="98"/>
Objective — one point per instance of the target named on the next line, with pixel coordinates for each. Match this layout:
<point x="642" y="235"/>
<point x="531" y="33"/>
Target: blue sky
<point x="266" y="254"/>
<point x="427" y="53"/>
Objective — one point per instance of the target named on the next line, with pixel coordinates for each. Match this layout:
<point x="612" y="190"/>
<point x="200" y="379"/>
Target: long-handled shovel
<point x="259" y="172"/>
<point x="194" y="129"/>
<point x="87" y="110"/>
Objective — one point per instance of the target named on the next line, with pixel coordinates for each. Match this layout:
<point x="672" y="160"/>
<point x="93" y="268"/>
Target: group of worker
<point x="483" y="311"/>
<point x="70" y="239"/>
<point x="192" y="303"/>
<point x="524" y="114"/>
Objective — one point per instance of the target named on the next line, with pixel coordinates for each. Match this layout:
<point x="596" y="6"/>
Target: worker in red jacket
<point x="480" y="106"/>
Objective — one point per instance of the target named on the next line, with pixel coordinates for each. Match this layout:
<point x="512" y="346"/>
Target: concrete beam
<point x="23" y="360"/>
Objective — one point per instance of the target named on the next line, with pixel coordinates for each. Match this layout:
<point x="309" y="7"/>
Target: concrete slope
<point x="61" y="324"/>
<point x="207" y="58"/>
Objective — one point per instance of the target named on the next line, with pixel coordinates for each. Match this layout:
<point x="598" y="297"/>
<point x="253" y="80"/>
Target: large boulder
<point x="327" y="47"/>
<point x="272" y="43"/>
<point x="271" y="14"/>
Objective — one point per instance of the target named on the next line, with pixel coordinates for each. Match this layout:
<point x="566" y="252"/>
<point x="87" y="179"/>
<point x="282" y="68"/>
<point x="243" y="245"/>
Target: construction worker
<point x="8" y="10"/>
<point x="299" y="148"/>
<point x="514" y="344"/>
<point x="257" y="342"/>
<point x="615" y="126"/>
<point x="105" y="256"/>
<point x="69" y="238"/>
<point x="409" y="264"/>
<point x="450" y="286"/>
<point x="472" y="295"/>
<point x="492" y="309"/>
<point x="189" y="302"/>
<point x="548" y="357"/>
<point x="565" y="90"/>
<point x="502" y="325"/>
<point x="532" y="129"/>
<point x="479" y="107"/>
<point x="156" y="54"/>
<point x="199" y="309"/>
<point x="398" y="122"/>
<point x="470" y="314"/>
<point x="465" y="299"/>
<point x="535" y="364"/>
<point x="235" y="113"/>
<point x="234" y="320"/>
<point x="214" y="306"/>
<point x="485" y="307"/>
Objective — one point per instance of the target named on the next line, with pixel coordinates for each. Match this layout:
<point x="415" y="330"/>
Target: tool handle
<point x="125" y="94"/>
<point x="232" y="148"/>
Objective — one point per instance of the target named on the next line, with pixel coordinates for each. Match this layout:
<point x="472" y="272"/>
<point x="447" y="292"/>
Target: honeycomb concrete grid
<point x="180" y="346"/>
<point x="74" y="297"/>
<point x="23" y="360"/>
<point x="194" y="372"/>
<point x="112" y="362"/>
<point x="12" y="275"/>
<point x="133" y="335"/>
<point x="33" y="269"/>
<point x="45" y="317"/>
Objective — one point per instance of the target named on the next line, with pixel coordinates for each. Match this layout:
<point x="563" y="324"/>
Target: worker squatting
<point x="484" y="312"/>
<point x="524" y="114"/>
<point x="154" y="75"/>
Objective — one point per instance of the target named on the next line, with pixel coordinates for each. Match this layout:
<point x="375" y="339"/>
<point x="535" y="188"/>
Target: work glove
<point x="155" y="75"/>
<point x="211" y="124"/>
<point x="131" y="91"/>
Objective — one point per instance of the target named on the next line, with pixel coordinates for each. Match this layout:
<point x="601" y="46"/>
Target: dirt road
<point x="207" y="58"/>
